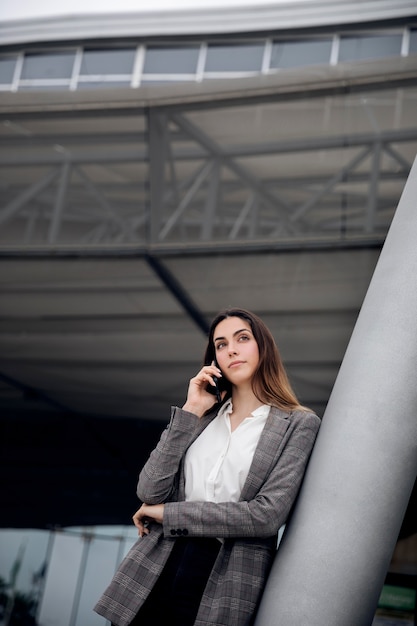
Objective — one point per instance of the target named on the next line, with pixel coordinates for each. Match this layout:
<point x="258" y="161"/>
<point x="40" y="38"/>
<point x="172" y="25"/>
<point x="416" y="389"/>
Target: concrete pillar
<point x="332" y="562"/>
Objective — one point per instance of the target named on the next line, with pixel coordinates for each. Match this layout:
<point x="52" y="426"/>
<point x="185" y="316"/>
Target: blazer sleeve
<point x="157" y="479"/>
<point x="266" y="512"/>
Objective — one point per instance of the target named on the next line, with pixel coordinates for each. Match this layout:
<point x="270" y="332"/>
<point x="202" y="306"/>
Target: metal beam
<point x="337" y="178"/>
<point x="241" y="172"/>
<point x="310" y="144"/>
<point x="243" y="215"/>
<point x="157" y="163"/>
<point x="373" y="189"/>
<point x="59" y="203"/>
<point x="174" y="201"/>
<point x="211" y="203"/>
<point x="80" y="156"/>
<point x="191" y="249"/>
<point x="199" y="178"/>
<point x="95" y="192"/>
<point x="178" y="291"/>
<point x="28" y="194"/>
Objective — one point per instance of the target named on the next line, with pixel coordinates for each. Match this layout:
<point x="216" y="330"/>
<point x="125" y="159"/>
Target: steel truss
<point x="174" y="184"/>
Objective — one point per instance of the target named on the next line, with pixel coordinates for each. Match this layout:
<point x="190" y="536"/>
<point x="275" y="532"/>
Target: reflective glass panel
<point x="413" y="41"/>
<point x="44" y="65"/>
<point x="243" y="58"/>
<point x="171" y="60"/>
<point x="103" y="62"/>
<point x="299" y="53"/>
<point x="374" y="47"/>
<point x="7" y="65"/>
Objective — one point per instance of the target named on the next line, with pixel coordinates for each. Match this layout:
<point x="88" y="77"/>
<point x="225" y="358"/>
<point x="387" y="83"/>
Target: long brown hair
<point x="270" y="382"/>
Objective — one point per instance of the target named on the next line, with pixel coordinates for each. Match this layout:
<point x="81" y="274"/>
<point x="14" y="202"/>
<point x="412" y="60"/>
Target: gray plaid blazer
<point x="249" y="527"/>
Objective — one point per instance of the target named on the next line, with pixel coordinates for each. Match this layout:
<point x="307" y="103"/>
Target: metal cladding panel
<point x="19" y="26"/>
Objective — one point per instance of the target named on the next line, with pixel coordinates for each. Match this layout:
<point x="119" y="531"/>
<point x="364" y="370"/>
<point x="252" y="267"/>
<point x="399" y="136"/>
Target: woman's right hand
<point x="145" y="514"/>
<point x="199" y="400"/>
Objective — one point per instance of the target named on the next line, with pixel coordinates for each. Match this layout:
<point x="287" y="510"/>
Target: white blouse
<point x="217" y="463"/>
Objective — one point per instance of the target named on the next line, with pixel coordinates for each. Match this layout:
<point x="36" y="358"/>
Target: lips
<point x="235" y="363"/>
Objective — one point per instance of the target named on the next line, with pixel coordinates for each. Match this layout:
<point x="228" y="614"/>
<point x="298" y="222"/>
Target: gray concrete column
<point x="336" y="550"/>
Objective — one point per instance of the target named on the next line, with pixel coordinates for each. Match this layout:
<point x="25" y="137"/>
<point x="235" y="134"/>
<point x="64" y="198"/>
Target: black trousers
<point x="176" y="596"/>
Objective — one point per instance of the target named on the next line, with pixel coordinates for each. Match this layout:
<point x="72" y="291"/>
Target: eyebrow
<point x="242" y="330"/>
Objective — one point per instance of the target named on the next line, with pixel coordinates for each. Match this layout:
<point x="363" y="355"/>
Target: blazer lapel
<point x="266" y="452"/>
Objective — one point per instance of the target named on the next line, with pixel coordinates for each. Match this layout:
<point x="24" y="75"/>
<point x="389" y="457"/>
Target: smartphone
<point x="216" y="389"/>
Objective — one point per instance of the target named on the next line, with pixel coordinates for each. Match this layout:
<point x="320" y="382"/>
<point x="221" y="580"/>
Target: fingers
<point x="218" y="371"/>
<point x="207" y="374"/>
<point x="140" y="521"/>
<point x="199" y="396"/>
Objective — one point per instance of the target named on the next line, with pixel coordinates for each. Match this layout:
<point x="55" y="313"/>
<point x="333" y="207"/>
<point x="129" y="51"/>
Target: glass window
<point x="413" y="41"/>
<point x="372" y="47"/>
<point x="171" y="60"/>
<point x="102" y="62"/>
<point x="45" y="65"/>
<point x="7" y="65"/>
<point x="299" y="53"/>
<point x="235" y="58"/>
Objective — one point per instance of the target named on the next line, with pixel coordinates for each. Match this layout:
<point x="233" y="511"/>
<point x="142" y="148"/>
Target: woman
<point x="216" y="489"/>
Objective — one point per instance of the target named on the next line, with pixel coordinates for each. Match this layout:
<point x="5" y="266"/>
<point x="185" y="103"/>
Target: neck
<point x="244" y="401"/>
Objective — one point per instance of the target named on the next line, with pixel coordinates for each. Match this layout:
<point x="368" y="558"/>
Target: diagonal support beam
<point x="243" y="173"/>
<point x="15" y="205"/>
<point x="59" y="203"/>
<point x="304" y="208"/>
<point x="373" y="190"/>
<point x="245" y="211"/>
<point x="104" y="203"/>
<point x="394" y="154"/>
<point x="178" y="292"/>
<point x="174" y="217"/>
<point x="212" y="198"/>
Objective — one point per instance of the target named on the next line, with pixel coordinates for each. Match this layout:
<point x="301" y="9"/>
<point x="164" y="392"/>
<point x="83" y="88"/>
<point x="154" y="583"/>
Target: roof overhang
<point x="60" y="25"/>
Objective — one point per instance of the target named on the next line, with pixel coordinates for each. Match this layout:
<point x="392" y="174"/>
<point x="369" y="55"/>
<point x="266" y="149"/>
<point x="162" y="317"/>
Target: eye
<point x="220" y="345"/>
<point x="244" y="338"/>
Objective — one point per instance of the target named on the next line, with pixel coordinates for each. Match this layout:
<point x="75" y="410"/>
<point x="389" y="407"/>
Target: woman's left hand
<point x="146" y="513"/>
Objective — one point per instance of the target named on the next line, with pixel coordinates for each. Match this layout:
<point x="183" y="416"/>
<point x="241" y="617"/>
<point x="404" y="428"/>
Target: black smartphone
<point x="216" y="390"/>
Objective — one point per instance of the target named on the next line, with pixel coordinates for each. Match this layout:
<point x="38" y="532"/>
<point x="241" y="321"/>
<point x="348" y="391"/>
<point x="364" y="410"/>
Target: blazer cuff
<point x="171" y="522"/>
<point x="182" y="420"/>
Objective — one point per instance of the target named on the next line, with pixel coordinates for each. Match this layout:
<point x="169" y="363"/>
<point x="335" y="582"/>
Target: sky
<point x="24" y="9"/>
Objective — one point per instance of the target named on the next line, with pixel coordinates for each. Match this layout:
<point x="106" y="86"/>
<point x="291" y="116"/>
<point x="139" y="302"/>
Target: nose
<point x="232" y="350"/>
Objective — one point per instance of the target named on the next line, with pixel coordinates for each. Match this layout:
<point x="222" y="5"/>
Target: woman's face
<point x="236" y="350"/>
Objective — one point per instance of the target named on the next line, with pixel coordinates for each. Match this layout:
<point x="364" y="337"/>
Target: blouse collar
<point x="261" y="411"/>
